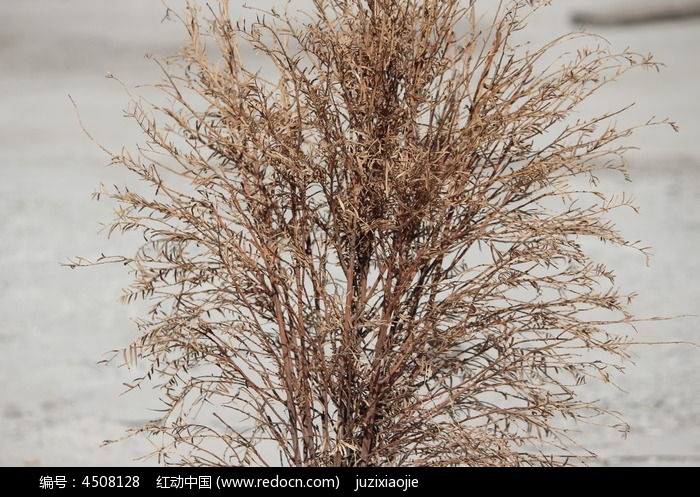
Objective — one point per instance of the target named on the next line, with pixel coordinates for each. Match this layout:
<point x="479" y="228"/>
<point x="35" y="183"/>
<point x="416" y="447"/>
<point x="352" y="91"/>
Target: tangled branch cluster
<point x="374" y="257"/>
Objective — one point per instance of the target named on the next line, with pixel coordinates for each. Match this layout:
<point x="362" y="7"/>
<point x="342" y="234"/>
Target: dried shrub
<point x="373" y="257"/>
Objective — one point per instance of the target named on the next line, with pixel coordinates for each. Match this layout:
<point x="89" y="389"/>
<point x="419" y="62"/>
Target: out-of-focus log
<point x="638" y="15"/>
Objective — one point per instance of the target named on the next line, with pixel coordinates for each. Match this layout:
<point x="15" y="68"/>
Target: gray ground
<point x="57" y="405"/>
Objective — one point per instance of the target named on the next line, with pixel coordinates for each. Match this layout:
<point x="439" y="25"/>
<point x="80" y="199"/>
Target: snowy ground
<point x="57" y="405"/>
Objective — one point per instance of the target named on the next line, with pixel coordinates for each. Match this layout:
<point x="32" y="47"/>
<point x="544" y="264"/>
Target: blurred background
<point x="57" y="405"/>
